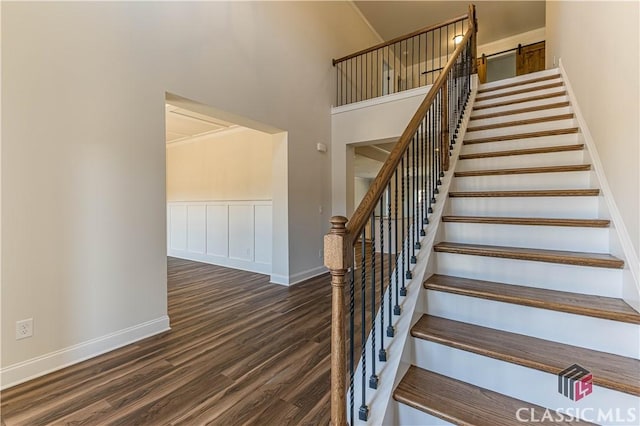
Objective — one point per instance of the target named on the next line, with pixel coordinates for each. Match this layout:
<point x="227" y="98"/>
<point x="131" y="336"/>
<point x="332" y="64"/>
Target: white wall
<point x="231" y="165"/>
<point x="380" y="119"/>
<point x="598" y="43"/>
<point x="83" y="153"/>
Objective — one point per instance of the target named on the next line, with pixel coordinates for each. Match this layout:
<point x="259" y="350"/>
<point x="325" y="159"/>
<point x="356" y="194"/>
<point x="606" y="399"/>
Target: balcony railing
<point x="413" y="60"/>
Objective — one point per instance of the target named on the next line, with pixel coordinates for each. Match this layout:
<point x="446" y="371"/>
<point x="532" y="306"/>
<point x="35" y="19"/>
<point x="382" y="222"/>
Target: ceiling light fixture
<point x="458" y="39"/>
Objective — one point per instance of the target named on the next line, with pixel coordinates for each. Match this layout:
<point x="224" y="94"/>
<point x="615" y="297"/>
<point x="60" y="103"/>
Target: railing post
<point x="444" y="123"/>
<point x="473" y="23"/>
<point x="335" y="258"/>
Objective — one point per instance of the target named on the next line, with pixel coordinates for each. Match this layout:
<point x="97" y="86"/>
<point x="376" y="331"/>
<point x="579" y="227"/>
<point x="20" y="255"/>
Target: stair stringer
<point x="382" y="408"/>
<point x="620" y="243"/>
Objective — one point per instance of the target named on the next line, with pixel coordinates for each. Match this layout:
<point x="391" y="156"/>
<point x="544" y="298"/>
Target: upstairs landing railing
<point x="372" y="253"/>
<point x="406" y="62"/>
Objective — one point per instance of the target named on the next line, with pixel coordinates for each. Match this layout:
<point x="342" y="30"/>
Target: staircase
<point x="523" y="285"/>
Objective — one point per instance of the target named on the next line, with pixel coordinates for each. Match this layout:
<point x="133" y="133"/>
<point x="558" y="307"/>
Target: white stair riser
<point x="409" y="416"/>
<point x="552" y="276"/>
<point x="521" y="105"/>
<point x="593" y="240"/>
<point x="528" y="160"/>
<point x="523" y="128"/>
<point x="519" y="382"/>
<point x="524" y="143"/>
<point x="559" y="180"/>
<point x="603" y="335"/>
<point x="522" y="116"/>
<point x="553" y="91"/>
<point x="520" y="87"/>
<point x="519" y="79"/>
<point x="556" y="207"/>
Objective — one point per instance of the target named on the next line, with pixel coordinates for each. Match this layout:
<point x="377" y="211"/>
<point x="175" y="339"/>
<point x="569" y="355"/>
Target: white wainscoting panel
<point x="236" y="234"/>
<point x="263" y="234"/>
<point x="196" y="229"/>
<point x="218" y="230"/>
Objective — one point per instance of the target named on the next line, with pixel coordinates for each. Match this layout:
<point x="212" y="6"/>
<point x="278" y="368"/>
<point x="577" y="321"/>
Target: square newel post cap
<point x="335" y="242"/>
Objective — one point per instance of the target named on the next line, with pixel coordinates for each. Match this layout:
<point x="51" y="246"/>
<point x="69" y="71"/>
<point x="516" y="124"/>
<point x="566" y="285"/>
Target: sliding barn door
<point x="530" y="58"/>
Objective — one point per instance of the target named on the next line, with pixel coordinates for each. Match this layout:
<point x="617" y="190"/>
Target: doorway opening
<point x="225" y="189"/>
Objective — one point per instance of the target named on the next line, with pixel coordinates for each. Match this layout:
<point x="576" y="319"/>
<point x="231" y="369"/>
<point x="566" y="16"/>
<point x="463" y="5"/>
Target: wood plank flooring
<point x="241" y="351"/>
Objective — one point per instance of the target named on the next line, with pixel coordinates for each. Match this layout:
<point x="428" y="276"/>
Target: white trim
<point x="298" y="277"/>
<point x="366" y="21"/>
<point x="227" y="262"/>
<point x="630" y="281"/>
<point x="207" y="135"/>
<point x="30" y="369"/>
<point x="418" y="91"/>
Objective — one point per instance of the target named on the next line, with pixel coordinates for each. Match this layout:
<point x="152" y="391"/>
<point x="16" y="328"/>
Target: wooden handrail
<point x="401" y="38"/>
<point x="339" y="242"/>
<point x="368" y="203"/>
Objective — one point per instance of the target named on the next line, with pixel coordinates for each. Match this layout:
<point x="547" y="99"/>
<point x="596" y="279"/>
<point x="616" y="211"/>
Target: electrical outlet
<point x="320" y="253"/>
<point x="24" y="328"/>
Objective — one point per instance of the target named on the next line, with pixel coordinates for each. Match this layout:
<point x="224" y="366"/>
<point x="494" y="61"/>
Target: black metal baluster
<point x="403" y="290"/>
<point x="352" y="309"/>
<point x="366" y="76"/>
<point x="425" y="171"/>
<point x="373" y="380"/>
<point x="423" y="213"/>
<point x="411" y="176"/>
<point x="414" y="199"/>
<point x="382" y="354"/>
<point x="406" y="231"/>
<point x="419" y="60"/>
<point x="433" y="53"/>
<point x="396" y="308"/>
<point x="392" y="252"/>
<point x="430" y="196"/>
<point x="363" y="412"/>
<point x="406" y="47"/>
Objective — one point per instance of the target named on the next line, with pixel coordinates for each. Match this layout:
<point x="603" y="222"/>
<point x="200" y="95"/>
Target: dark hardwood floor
<point x="241" y="351"/>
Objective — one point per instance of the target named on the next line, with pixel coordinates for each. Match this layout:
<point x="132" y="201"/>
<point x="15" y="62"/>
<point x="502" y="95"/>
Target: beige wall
<point x="233" y="165"/>
<point x="83" y="153"/>
<point x="598" y="43"/>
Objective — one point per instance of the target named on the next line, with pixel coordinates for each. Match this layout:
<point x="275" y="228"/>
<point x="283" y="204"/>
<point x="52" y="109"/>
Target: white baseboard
<point x="299" y="277"/>
<point x="631" y="277"/>
<point x="30" y="369"/>
<point x="243" y="265"/>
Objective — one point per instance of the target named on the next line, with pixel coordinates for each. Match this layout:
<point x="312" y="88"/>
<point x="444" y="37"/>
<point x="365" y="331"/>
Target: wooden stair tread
<point x="462" y="403"/>
<point x="521" y="100"/>
<point x="534" y="221"/>
<point x="515" y="136"/>
<point x="521" y="122"/>
<point x="528" y="193"/>
<point x="525" y="170"/>
<point x="520" y="91"/>
<point x="520" y="110"/>
<point x="519" y="83"/>
<point x="610" y="371"/>
<point x="526" y="151"/>
<point x="596" y="260"/>
<point x="580" y="304"/>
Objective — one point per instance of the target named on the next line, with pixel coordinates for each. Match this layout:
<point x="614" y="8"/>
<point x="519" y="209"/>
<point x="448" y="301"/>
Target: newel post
<point x="473" y="23"/>
<point x="335" y="258"/>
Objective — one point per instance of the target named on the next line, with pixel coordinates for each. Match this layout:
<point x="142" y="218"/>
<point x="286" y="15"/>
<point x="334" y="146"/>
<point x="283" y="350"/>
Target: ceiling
<point x="182" y="124"/>
<point x="496" y="19"/>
